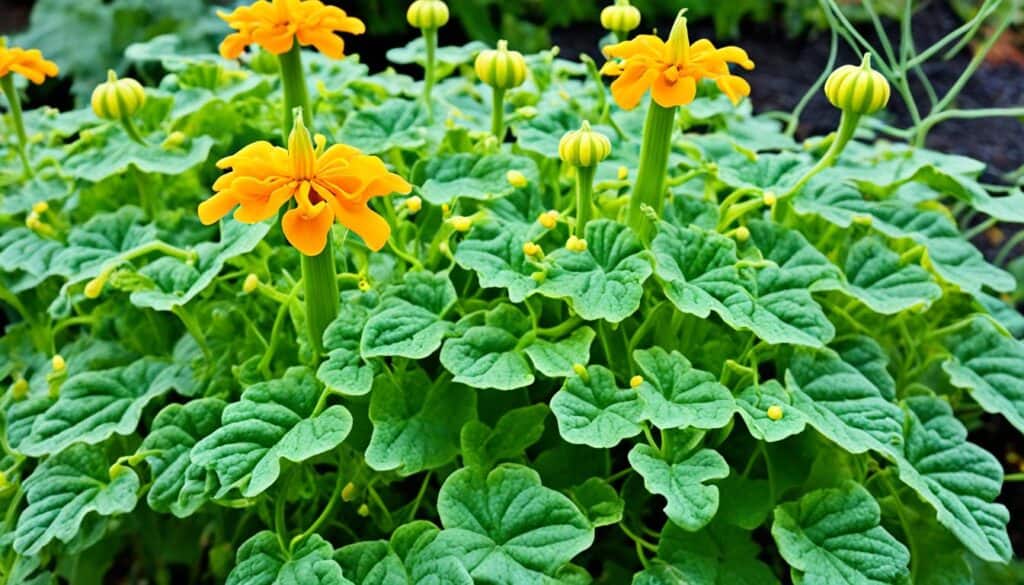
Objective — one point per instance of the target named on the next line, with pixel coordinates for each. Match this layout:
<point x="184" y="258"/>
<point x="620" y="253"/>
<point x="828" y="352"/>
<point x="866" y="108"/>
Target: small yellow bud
<point x="501" y="68"/>
<point x="19" y="389"/>
<point x="531" y="249"/>
<point x="769" y="198"/>
<point x="363" y="510"/>
<point x="252" y="282"/>
<point x="117" y="98"/>
<point x="58" y="363"/>
<point x="40" y="207"/>
<point x="580" y="370"/>
<point x="427" y="14"/>
<point x="32" y="221"/>
<point x="584" y="147"/>
<point x="173" y="140"/>
<point x="538" y="276"/>
<point x="414" y="204"/>
<point x="858" y="90"/>
<point x="446" y="209"/>
<point x="575" y="244"/>
<point x="461" y="223"/>
<point x="623" y="173"/>
<point x="864" y="220"/>
<point x="349" y="492"/>
<point x="364" y="285"/>
<point x="548" y="219"/>
<point x="775" y="412"/>
<point x="620" y="18"/>
<point x="94" y="288"/>
<point x="516" y="179"/>
<point x="444" y="248"/>
<point x="635" y="381"/>
<point x="742" y="233"/>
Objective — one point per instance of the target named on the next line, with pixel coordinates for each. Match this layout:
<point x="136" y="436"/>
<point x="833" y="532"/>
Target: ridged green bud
<point x="584" y="147"/>
<point x="427" y="14"/>
<point x="501" y="68"/>
<point x="620" y="17"/>
<point x="117" y="98"/>
<point x="858" y="90"/>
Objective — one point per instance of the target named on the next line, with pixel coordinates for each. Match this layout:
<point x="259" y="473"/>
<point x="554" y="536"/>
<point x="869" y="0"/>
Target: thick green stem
<point x="318" y="272"/>
<point x="429" y="71"/>
<point x="498" y="115"/>
<point x="132" y="131"/>
<point x="847" y="128"/>
<point x="649" y="189"/>
<point x="7" y="84"/>
<point x="584" y="198"/>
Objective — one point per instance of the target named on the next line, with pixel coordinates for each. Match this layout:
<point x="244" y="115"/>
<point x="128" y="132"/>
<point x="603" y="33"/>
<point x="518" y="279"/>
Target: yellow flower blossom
<point x="671" y="70"/>
<point x="326" y="185"/>
<point x="276" y="24"/>
<point x="29" y="63"/>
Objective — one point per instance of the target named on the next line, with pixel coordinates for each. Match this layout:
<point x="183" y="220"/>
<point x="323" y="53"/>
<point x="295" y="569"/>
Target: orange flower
<point x="671" y="70"/>
<point x="327" y="185"/>
<point x="28" y="63"/>
<point x="274" y="25"/>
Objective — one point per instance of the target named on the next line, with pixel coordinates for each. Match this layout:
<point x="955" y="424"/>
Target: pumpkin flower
<point x="275" y="25"/>
<point x="29" y="63"/>
<point x="326" y="185"/>
<point x="671" y="70"/>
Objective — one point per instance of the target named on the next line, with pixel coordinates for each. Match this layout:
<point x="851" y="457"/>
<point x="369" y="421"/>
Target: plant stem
<point x="7" y="84"/>
<point x="132" y="131"/>
<point x="429" y="71"/>
<point x="649" y="189"/>
<point x="498" y="115"/>
<point x="847" y="128"/>
<point x="318" y="273"/>
<point x="584" y="198"/>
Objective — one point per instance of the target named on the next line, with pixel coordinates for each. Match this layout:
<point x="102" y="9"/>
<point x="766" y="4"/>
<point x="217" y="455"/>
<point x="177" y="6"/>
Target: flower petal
<point x="362" y="220"/>
<point x="308" y="233"/>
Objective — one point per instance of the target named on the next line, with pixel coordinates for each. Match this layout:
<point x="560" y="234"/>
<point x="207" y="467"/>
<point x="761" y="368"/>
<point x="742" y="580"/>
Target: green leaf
<point x="843" y="403"/>
<point x="753" y="404"/>
<point x="592" y="410"/>
<point x="555" y="359"/>
<point x="878" y="278"/>
<point x="67" y="490"/>
<point x="101" y="239"/>
<point x="345" y="371"/>
<point x="274" y="420"/>
<point x="416" y="424"/>
<point x="396" y="123"/>
<point x="599" y="502"/>
<point x="177" y="282"/>
<point x="506" y="527"/>
<point x="834" y="536"/>
<point x="681" y="477"/>
<point x="415" y="53"/>
<point x="959" y="479"/>
<point x="92" y="406"/>
<point x="448" y="177"/>
<point x="180" y="486"/>
<point x="991" y="366"/>
<point x="606" y="280"/>
<point x="494" y="251"/>
<point x="261" y="561"/>
<point x="412" y="557"/>
<point x="408" y="323"/>
<point x="490" y="355"/>
<point x="27" y="256"/>
<point x="116" y="152"/>
<point x="675" y="394"/>
<point x="516" y="430"/>
<point x="716" y="555"/>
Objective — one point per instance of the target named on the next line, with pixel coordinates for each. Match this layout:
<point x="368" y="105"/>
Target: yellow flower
<point x="327" y="185"/>
<point x="29" y="63"/>
<point x="276" y="24"/>
<point x="671" y="70"/>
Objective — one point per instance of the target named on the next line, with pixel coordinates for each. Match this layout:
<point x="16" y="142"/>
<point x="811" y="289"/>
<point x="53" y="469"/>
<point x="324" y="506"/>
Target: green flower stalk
<point x="32" y="66"/>
<point x="584" y="149"/>
<point x="649" y="189"/>
<point x="119" y="99"/>
<point x="503" y="70"/>
<point x="318" y="272"/>
<point x="428" y="16"/>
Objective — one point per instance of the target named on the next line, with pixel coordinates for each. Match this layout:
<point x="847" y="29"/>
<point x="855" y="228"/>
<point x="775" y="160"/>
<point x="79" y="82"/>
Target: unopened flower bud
<point x="584" y="147"/>
<point x="251" y="283"/>
<point x="40" y="207"/>
<point x="531" y="249"/>
<point x="501" y="68"/>
<point x="769" y="198"/>
<point x="58" y="363"/>
<point x="427" y="14"/>
<point x="620" y="17"/>
<point x="742" y="234"/>
<point x="858" y="90"/>
<point x="575" y="244"/>
<point x="349" y="492"/>
<point x="635" y="381"/>
<point x="117" y="98"/>
<point x="414" y="204"/>
<point x="19" y="389"/>
<point x="173" y="140"/>
<point x="363" y="510"/>
<point x="461" y="223"/>
<point x="775" y="412"/>
<point x="94" y="288"/>
<point x="548" y="219"/>
<point x="623" y="173"/>
<point x="516" y="179"/>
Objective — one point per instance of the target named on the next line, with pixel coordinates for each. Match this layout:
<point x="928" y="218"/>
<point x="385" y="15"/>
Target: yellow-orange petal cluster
<point x="671" y="70"/>
<point x="326" y="185"/>
<point x="26" y="62"/>
<point x="275" y="25"/>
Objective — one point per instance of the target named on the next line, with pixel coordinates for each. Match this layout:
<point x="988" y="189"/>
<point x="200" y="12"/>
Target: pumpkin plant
<point x="279" y="319"/>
